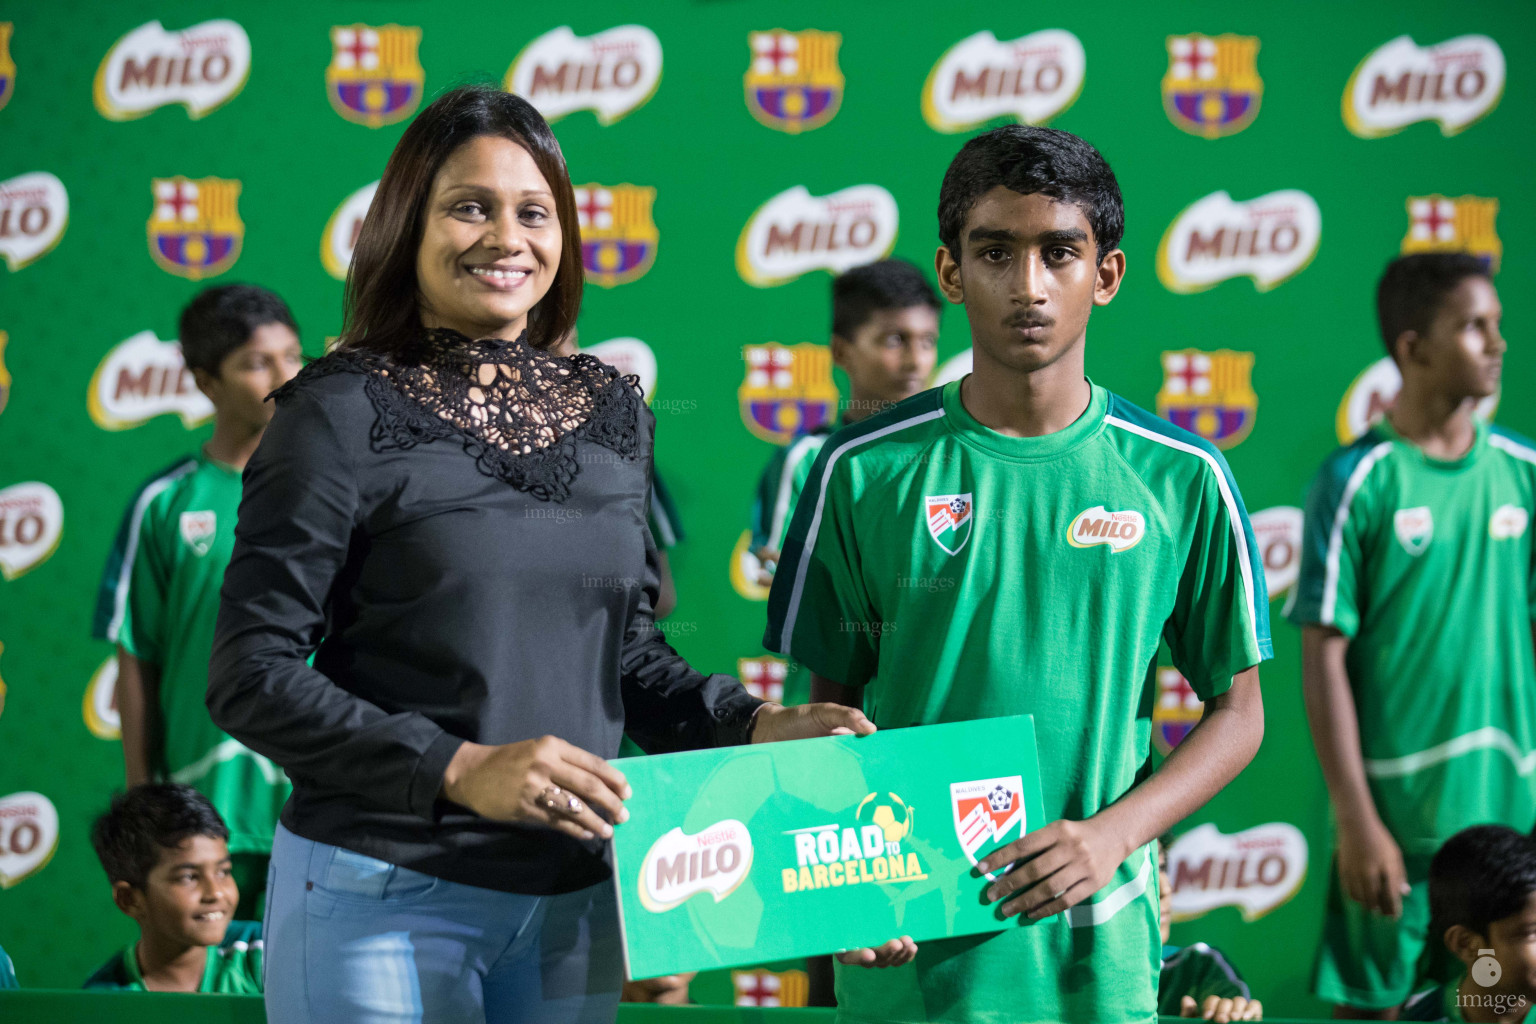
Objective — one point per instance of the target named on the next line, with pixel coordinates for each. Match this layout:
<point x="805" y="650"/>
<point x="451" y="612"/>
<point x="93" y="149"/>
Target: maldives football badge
<point x="374" y="77"/>
<point x="787" y="391"/>
<point x="7" y="66"/>
<point x="949" y="520"/>
<point x="1212" y="87"/>
<point x="985" y="812"/>
<point x="1439" y="224"/>
<point x="793" y="83"/>
<point x="618" y="236"/>
<point x="1210" y="394"/>
<point x="195" y="230"/>
<point x="1415" y="528"/>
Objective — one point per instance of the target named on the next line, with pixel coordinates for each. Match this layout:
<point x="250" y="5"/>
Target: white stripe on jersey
<point x="151" y="491"/>
<point x="792" y="459"/>
<point x="1087" y="915"/>
<point x="1240" y="538"/>
<point x="1336" y="534"/>
<point x="1489" y="737"/>
<point x="1514" y="448"/>
<point x="787" y="632"/>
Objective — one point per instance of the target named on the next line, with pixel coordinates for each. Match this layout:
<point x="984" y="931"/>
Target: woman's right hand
<point x="546" y="782"/>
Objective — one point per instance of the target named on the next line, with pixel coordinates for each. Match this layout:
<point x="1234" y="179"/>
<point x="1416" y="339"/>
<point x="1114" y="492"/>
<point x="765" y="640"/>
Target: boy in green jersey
<point x="1415" y="602"/>
<point x="165" y="851"/>
<point x="159" y="594"/>
<point x="1482" y="897"/>
<point x="885" y="336"/>
<point x="1019" y="542"/>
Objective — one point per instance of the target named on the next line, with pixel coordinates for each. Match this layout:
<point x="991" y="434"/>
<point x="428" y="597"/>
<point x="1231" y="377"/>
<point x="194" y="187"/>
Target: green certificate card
<point x="764" y="852"/>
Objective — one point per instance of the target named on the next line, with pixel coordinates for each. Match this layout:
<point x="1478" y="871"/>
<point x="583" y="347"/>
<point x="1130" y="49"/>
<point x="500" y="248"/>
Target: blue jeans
<point x="355" y="940"/>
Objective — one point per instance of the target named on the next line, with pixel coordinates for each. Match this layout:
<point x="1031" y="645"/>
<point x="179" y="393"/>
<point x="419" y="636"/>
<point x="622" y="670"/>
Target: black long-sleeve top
<point x="448" y="591"/>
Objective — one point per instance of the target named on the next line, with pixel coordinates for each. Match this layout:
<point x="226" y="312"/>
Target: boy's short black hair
<point x="146" y="820"/>
<point x="1413" y="287"/>
<point x="859" y="293"/>
<point x="1481" y="875"/>
<point x="222" y="318"/>
<point x="1028" y="159"/>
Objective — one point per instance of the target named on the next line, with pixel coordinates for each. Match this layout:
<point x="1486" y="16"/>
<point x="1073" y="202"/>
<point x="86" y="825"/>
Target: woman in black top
<point x="452" y="520"/>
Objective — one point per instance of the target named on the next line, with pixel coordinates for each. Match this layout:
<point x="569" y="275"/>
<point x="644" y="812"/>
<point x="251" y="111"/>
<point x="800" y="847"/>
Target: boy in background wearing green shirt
<point x="166" y="853"/>
<point x="1482" y="898"/>
<point x="159" y="595"/>
<point x="1019" y="542"/>
<point x="885" y="337"/>
<point x="1415" y="602"/>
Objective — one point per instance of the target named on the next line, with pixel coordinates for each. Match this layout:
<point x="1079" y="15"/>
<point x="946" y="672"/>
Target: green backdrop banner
<point x="729" y="155"/>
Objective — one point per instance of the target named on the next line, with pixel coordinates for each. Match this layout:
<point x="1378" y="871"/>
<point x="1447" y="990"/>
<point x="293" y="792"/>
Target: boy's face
<point x="1027" y="277"/>
<point x="1462" y="348"/>
<point x="248" y="374"/>
<point x="189" y="896"/>
<point x="891" y="355"/>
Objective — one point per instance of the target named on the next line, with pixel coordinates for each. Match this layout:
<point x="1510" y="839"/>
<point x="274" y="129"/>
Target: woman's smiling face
<point x="490" y="240"/>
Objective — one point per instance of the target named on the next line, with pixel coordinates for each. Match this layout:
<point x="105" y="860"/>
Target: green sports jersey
<point x="961" y="574"/>
<point x="666" y="526"/>
<point x="1197" y="971"/>
<point x="1426" y="565"/>
<point x="234" y="966"/>
<point x="779" y="487"/>
<point x="159" y="600"/>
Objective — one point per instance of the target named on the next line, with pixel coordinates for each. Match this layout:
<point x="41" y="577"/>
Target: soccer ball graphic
<point x="1001" y="798"/>
<point x="892" y="815"/>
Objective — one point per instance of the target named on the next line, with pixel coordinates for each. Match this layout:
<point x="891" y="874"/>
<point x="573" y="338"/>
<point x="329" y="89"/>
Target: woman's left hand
<point x="807" y="721"/>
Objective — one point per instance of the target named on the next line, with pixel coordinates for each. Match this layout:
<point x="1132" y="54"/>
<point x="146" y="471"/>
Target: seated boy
<point x="1482" y="904"/>
<point x="1196" y="980"/>
<point x="166" y="853"/>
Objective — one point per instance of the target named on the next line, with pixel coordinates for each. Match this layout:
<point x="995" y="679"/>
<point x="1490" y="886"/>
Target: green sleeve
<point x="1332" y="553"/>
<point x="1197" y="971"/>
<point x="1220" y="620"/>
<point x="819" y="610"/>
<point x="143" y="629"/>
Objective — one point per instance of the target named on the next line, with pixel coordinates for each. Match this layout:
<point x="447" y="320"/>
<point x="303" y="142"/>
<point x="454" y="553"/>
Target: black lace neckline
<point x="519" y="411"/>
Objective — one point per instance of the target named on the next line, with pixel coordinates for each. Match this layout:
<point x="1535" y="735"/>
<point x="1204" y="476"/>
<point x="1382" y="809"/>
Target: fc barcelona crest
<point x="1438" y="224"/>
<point x="7" y="66"/>
<point x="374" y="77"/>
<point x="949" y="520"/>
<point x="618" y="236"/>
<point x="788" y="390"/>
<point x="1176" y="712"/>
<point x="763" y="677"/>
<point x="793" y="83"/>
<point x="195" y="230"/>
<point x="1212" y="87"/>
<point x="1210" y="394"/>
<point x="986" y="813"/>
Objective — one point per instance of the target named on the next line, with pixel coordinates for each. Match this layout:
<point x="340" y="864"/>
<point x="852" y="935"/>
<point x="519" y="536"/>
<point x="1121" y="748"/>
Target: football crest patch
<point x="986" y="812"/>
<point x="1210" y="394"/>
<point x="1439" y="224"/>
<point x="374" y="77"/>
<point x="618" y="236"/>
<point x="198" y="530"/>
<point x="195" y="230"/>
<point x="1212" y="87"/>
<point x="1415" y="528"/>
<point x="7" y="66"/>
<point x="949" y="520"/>
<point x="793" y="83"/>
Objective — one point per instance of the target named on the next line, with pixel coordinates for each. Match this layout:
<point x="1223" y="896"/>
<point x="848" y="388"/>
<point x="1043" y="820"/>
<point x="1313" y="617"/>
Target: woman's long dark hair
<point x="382" y="309"/>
